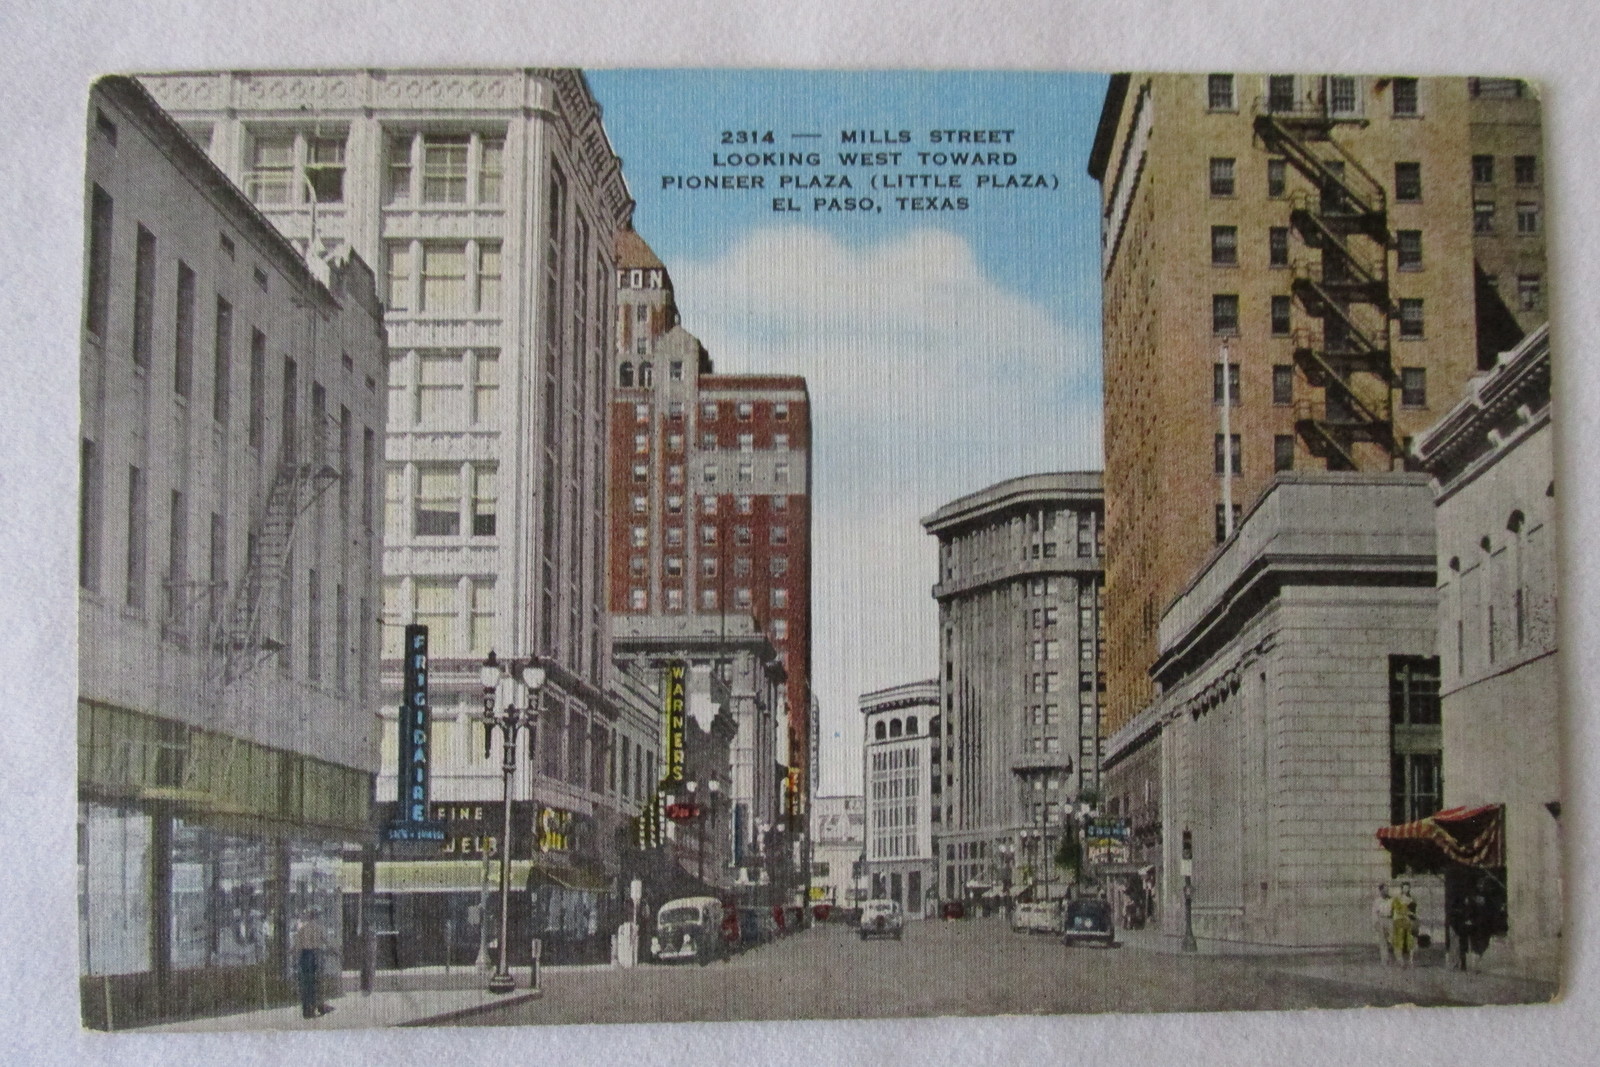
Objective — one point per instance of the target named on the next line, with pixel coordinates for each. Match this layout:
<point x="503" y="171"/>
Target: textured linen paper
<point x="49" y="114"/>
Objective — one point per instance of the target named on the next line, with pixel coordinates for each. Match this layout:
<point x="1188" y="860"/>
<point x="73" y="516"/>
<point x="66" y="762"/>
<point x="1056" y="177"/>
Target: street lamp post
<point x="524" y="681"/>
<point x="1187" y="859"/>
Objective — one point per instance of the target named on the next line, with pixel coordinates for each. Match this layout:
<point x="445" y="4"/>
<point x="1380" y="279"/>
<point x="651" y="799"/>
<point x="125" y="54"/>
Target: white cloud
<point x="927" y="381"/>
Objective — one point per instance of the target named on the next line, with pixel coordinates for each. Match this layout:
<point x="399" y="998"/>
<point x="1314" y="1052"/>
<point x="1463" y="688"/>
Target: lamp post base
<point x="502" y="983"/>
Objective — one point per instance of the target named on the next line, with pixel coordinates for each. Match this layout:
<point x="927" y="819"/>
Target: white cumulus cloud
<point x="927" y="381"/>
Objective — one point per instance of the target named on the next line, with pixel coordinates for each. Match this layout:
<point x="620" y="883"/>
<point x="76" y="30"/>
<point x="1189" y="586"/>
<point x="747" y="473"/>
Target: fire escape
<point x="249" y="629"/>
<point x="1344" y="284"/>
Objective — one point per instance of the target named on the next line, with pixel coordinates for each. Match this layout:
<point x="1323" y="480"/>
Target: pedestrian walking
<point x="1383" y="924"/>
<point x="309" y="943"/>
<point x="1403" y="925"/>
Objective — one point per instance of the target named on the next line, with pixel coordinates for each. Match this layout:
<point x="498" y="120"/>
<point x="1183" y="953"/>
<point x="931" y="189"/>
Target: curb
<point x="450" y="1017"/>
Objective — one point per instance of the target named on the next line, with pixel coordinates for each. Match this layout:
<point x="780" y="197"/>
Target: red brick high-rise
<point x="710" y="497"/>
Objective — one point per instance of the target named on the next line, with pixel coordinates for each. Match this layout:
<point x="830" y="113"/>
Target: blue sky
<point x="943" y="350"/>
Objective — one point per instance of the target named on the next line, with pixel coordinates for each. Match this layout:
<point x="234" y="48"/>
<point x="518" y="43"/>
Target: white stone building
<point x="902" y="791"/>
<point x="233" y="404"/>
<point x="838" y="843"/>
<point x="1492" y="458"/>
<point x="489" y="200"/>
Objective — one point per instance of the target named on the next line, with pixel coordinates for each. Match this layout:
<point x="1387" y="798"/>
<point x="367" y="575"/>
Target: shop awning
<point x="1471" y="837"/>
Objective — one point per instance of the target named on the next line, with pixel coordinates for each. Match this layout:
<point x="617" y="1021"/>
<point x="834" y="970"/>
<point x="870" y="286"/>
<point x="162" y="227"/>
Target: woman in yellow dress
<point x="1403" y="916"/>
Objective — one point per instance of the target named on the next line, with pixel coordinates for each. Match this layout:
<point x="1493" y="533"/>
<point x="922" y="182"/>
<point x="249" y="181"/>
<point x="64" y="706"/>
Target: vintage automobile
<point x="1089" y="922"/>
<point x="1036" y="918"/>
<point x="756" y="926"/>
<point x="881" y="918"/>
<point x="690" y="928"/>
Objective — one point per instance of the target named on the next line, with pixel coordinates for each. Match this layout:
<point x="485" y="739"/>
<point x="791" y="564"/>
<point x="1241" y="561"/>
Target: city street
<point x="971" y="967"/>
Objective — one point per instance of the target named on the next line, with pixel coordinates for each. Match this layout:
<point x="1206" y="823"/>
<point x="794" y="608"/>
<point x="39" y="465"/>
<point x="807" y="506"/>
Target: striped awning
<point x="1471" y="837"/>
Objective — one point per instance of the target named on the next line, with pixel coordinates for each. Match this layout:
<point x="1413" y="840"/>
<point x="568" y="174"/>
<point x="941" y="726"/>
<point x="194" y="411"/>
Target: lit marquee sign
<point x="415" y="728"/>
<point x="673" y="718"/>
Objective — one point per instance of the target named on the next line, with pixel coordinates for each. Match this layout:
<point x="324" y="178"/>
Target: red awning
<point x="1471" y="837"/>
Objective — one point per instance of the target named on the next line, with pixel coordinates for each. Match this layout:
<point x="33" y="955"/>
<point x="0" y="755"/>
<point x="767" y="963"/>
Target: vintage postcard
<point x="571" y="546"/>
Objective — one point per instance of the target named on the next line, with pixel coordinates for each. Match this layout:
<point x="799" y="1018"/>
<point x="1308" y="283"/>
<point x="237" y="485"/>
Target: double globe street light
<point x="522" y="681"/>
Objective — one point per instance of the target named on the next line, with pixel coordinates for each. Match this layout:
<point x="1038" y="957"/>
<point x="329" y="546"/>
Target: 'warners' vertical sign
<point x="673" y="718"/>
<point x="414" y="726"/>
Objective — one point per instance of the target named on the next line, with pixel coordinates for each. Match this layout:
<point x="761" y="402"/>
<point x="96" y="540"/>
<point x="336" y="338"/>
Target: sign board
<point x="415" y="728"/>
<point x="681" y="812"/>
<point x="1105" y="841"/>
<point x="672" y="717"/>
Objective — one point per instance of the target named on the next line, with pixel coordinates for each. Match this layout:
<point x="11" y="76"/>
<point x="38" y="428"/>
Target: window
<point x="98" y="290"/>
<point x="444" y="276"/>
<point x="488" y="293"/>
<point x="222" y="362"/>
<point x="746" y="472"/>
<point x="639" y="537"/>
<point x="747" y="442"/>
<point x="780" y="411"/>
<point x="708" y="535"/>
<point x="1528" y="292"/>
<point x="1223" y="530"/>
<point x="444" y="168"/>
<point x="1224" y="246"/>
<point x="1483" y="216"/>
<point x="1525" y="169"/>
<point x="1280" y="92"/>
<point x="708" y="505"/>
<point x="675" y="370"/>
<point x="674" y="536"/>
<point x="1413" y="387"/>
<point x="483" y="500"/>
<point x="1233" y="383"/>
<point x="744" y="504"/>
<point x="1278" y="246"/>
<point x="779" y="502"/>
<point x="675" y="505"/>
<point x="438" y="505"/>
<point x="137" y="523"/>
<point x="1342" y="98"/>
<point x="486" y="388"/>
<point x="641" y="412"/>
<point x="1283" y="383"/>
<point x="1408" y="181"/>
<point x="708" y="411"/>
<point x="440" y="379"/>
<point x="641" y="473"/>
<point x="1527" y="218"/>
<point x="1411" y="317"/>
<point x="708" y="567"/>
<point x="708" y="441"/>
<point x="780" y="629"/>
<point x="1283" y="452"/>
<point x="710" y="473"/>
<point x="256" y="430"/>
<point x="780" y="599"/>
<point x="744" y="411"/>
<point x="675" y="410"/>
<point x="1233" y="454"/>
<point x="780" y="473"/>
<point x="1408" y="249"/>
<point x="399" y="275"/>
<point x="674" y="599"/>
<point x="1414" y="736"/>
<point x="675" y="566"/>
<point x="1221" y="174"/>
<point x="270" y="179"/>
<point x="1482" y="170"/>
<point x="144" y="296"/>
<point x="636" y="566"/>
<point x="1277" y="177"/>
<point x="638" y="599"/>
<point x="780" y="442"/>
<point x="641" y="443"/>
<point x="183" y="333"/>
<point x="778" y="566"/>
<point x="779" y="535"/>
<point x="625" y="375"/>
<point x="741" y="598"/>
<point x="1219" y="92"/>
<point x="325" y="168"/>
<point x="491" y="169"/>
<point x="89" y="516"/>
<point x="1403" y="94"/>
<point x="1225" y="314"/>
<point x="708" y="599"/>
<point x="1282" y="315"/>
<point x="741" y="535"/>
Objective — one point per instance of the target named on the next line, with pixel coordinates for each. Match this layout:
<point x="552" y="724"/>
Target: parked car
<point x="1035" y="918"/>
<point x="822" y="912"/>
<point x="691" y="928"/>
<point x="756" y="926"/>
<point x="794" y="918"/>
<point x="881" y="918"/>
<point x="1089" y="922"/>
<point x="953" y="909"/>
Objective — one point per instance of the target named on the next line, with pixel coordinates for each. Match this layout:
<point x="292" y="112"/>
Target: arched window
<point x="877" y="731"/>
<point x="645" y="374"/>
<point x="894" y="727"/>
<point x="625" y="375"/>
<point x="911" y="725"/>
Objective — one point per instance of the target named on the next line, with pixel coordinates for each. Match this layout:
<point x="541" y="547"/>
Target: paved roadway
<point x="966" y="967"/>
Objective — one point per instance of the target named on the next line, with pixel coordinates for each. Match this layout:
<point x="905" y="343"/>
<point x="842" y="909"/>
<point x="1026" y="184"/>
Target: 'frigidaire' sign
<point x="414" y="727"/>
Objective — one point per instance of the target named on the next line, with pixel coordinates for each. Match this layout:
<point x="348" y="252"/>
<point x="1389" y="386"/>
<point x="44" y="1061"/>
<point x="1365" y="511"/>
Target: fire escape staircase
<point x="1345" y="221"/>
<point x="246" y="638"/>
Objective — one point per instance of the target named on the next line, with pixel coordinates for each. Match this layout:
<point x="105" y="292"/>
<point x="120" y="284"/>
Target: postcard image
<point x="574" y="546"/>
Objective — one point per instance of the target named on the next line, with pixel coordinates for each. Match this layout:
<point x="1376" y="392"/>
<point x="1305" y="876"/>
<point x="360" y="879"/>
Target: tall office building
<point x="711" y="505"/>
<point x="1021" y="682"/>
<point x="1303" y="246"/>
<point x="903" y="775"/>
<point x="232" y="417"/>
<point x="489" y="198"/>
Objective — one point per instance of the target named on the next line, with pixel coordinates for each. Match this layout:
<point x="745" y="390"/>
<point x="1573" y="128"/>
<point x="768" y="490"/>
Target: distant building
<point x="1304" y="245"/>
<point x="1492" y="458"/>
<point x="488" y="198"/>
<point x="1021" y="679"/>
<point x="1298" y="712"/>
<point x="901" y="776"/>
<point x="233" y="402"/>
<point x="838" y="844"/>
<point x="710" y="515"/>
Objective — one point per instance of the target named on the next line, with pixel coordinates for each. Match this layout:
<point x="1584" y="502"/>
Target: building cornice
<point x="1059" y="487"/>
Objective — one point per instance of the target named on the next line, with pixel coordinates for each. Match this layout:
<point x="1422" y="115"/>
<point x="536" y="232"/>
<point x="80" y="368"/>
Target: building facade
<point x="1492" y="458"/>
<point x="902" y="777"/>
<point x="710" y="499"/>
<point x="1021" y="680"/>
<point x="1304" y="247"/>
<point x="489" y="198"/>
<point x="1299" y="712"/>
<point x="233" y="402"/>
<point x="838" y="850"/>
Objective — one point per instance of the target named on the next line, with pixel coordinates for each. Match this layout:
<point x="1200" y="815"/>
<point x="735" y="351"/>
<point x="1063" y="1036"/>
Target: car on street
<point x="690" y="928"/>
<point x="1035" y="918"/>
<point x="881" y="918"/>
<point x="1089" y="922"/>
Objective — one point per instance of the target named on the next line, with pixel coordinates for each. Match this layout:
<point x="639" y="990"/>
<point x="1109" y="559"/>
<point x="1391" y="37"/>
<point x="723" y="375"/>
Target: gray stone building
<point x="1299" y="712"/>
<point x="233" y="404"/>
<point x="838" y="841"/>
<point x="1021" y="678"/>
<point x="902" y="781"/>
<point x="1492" y="460"/>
